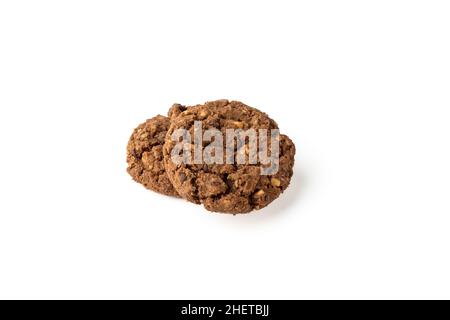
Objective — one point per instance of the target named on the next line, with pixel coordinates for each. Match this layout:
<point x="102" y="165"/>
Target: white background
<point x="362" y="87"/>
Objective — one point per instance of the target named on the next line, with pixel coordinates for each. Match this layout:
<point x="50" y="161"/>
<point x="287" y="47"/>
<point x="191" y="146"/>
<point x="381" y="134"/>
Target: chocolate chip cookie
<point x="225" y="187"/>
<point x="145" y="155"/>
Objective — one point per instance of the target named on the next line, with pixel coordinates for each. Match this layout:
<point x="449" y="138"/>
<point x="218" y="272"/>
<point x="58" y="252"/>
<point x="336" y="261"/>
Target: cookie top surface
<point x="176" y="110"/>
<point x="145" y="155"/>
<point x="227" y="187"/>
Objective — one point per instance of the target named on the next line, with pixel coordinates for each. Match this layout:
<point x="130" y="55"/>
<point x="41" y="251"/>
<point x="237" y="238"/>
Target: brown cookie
<point x="145" y="155"/>
<point x="227" y="188"/>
